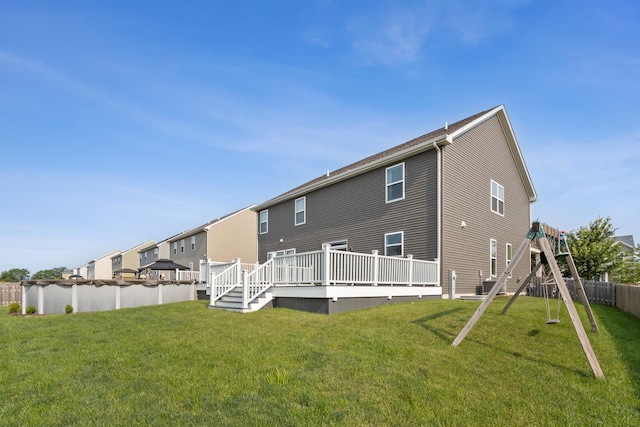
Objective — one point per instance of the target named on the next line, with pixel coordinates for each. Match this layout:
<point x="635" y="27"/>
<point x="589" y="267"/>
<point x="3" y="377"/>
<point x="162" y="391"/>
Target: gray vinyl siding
<point x="356" y="210"/>
<point x="184" y="258"/>
<point x="469" y="165"/>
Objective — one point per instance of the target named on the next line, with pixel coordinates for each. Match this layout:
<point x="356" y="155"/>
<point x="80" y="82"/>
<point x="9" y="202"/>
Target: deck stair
<point x="232" y="301"/>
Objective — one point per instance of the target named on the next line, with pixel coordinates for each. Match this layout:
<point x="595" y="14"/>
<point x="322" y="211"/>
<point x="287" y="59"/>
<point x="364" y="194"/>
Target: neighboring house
<point x="128" y="260"/>
<point x="460" y="195"/>
<point x="81" y="271"/>
<point x="152" y="253"/>
<point x="627" y="246"/>
<point x="223" y="239"/>
<point x="100" y="268"/>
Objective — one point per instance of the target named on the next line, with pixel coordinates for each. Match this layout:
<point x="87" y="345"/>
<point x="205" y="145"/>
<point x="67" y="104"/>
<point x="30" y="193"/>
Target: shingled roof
<point x="442" y="136"/>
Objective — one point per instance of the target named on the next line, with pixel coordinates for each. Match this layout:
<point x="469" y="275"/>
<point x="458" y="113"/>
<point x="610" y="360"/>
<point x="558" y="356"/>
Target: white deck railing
<point x="188" y="275"/>
<point x="310" y="268"/>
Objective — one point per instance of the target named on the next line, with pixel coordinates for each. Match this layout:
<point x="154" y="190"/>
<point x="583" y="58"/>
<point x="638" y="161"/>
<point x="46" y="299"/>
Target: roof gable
<point x="443" y="136"/>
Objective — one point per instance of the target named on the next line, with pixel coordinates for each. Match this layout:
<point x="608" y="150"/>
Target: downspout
<point x="439" y="201"/>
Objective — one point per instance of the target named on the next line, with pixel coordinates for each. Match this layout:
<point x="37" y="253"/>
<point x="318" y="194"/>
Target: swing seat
<point x="553" y="321"/>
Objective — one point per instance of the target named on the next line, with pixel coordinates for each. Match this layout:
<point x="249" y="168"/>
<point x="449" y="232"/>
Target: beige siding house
<point x="127" y="260"/>
<point x="100" y="268"/>
<point x="152" y="253"/>
<point x="223" y="239"/>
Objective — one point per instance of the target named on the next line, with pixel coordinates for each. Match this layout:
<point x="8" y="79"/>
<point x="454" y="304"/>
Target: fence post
<point x="24" y="300"/>
<point x="40" y="299"/>
<point x="74" y="297"/>
<point x="410" y="257"/>
<point x="117" y="297"/>
<point x="160" y="292"/>
<point x="376" y="266"/>
<point x="326" y="253"/>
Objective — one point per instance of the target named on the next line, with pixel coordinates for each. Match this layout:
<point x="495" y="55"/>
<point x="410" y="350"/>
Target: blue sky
<point x="126" y="121"/>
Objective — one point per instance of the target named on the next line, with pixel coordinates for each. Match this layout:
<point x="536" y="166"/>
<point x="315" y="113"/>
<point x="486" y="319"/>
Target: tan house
<point x="223" y="239"/>
<point x="100" y="268"/>
<point x="152" y="253"/>
<point x="125" y="264"/>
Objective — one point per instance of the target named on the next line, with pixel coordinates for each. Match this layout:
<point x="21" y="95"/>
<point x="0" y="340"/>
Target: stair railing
<point x="223" y="282"/>
<point x="255" y="283"/>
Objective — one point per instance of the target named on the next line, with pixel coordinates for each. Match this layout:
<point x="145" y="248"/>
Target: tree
<point x="51" y="274"/>
<point x="629" y="270"/>
<point x="594" y="250"/>
<point x="14" y="275"/>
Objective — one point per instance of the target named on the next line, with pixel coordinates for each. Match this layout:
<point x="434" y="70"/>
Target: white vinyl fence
<point x="53" y="296"/>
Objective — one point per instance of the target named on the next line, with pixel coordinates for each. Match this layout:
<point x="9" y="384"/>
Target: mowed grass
<point x="184" y="364"/>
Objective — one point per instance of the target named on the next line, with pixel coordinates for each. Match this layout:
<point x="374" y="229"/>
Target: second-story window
<point x="301" y="210"/>
<point x="395" y="183"/>
<point x="193" y="243"/>
<point x="155" y="253"/>
<point x="497" y="198"/>
<point x="175" y="248"/>
<point x="182" y="246"/>
<point x="264" y="221"/>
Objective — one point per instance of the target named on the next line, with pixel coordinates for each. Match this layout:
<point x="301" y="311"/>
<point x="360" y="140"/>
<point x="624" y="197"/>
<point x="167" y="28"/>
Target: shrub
<point x="14" y="308"/>
<point x="68" y="309"/>
<point x="31" y="310"/>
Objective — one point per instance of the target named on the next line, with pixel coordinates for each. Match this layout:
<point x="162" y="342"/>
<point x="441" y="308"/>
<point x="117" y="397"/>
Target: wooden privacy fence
<point x="628" y="299"/>
<point x="10" y="292"/>
<point x="597" y="292"/>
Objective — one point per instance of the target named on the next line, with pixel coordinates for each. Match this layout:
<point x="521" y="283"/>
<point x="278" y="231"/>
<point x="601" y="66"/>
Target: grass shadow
<point x="424" y="322"/>
<point x="624" y="329"/>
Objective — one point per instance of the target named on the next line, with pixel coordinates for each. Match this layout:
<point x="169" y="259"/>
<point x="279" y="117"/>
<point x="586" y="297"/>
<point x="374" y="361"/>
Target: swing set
<point x="548" y="259"/>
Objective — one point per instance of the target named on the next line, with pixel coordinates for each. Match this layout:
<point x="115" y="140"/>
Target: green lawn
<point x="183" y="364"/>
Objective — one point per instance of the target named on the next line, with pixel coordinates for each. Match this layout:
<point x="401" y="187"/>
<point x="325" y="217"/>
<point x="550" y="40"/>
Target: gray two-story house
<point x="460" y="195"/>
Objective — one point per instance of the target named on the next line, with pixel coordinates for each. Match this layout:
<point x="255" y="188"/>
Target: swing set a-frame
<point x="547" y="258"/>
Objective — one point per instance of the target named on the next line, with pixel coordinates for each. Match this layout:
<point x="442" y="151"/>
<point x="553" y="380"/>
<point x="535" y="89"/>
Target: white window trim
<point x="497" y="198"/>
<point x="297" y="211"/>
<point x="175" y="248"/>
<point x="193" y="243"/>
<point x="493" y="243"/>
<point x="387" y="184"/>
<point x="509" y="250"/>
<point x="401" y="244"/>
<point x="266" y="221"/>
<point x="339" y="245"/>
<point x="191" y="266"/>
<point x="181" y="246"/>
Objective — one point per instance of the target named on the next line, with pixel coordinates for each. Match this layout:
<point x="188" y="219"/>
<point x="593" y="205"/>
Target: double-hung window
<point x="497" y="198"/>
<point x="493" y="255"/>
<point x="264" y="221"/>
<point x="155" y="253"/>
<point x="301" y="210"/>
<point x="182" y="246"/>
<point x="193" y="243"/>
<point x="393" y="244"/>
<point x="175" y="248"/>
<point x="395" y="183"/>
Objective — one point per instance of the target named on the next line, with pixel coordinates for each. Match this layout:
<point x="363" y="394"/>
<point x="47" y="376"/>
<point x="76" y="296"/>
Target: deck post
<point x="326" y="273"/>
<point x="410" y="258"/>
<point x="376" y="266"/>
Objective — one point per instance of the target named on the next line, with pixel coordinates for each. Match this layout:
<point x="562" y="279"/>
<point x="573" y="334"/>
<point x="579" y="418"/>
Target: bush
<point x="14" y="308"/>
<point x="68" y="309"/>
<point x="31" y="310"/>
